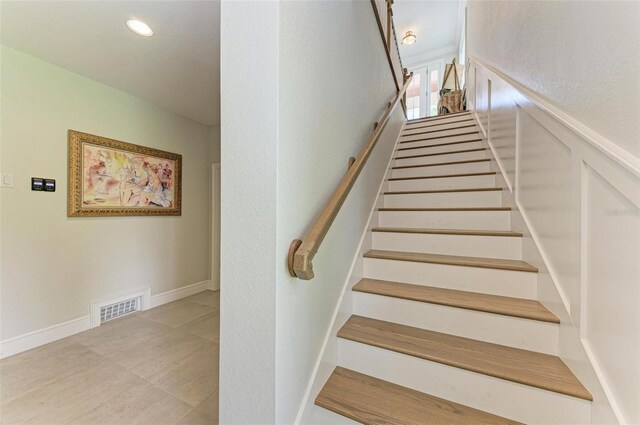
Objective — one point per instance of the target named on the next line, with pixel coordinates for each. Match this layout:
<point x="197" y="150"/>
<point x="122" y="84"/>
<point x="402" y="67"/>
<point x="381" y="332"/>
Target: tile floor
<point x="154" y="367"/>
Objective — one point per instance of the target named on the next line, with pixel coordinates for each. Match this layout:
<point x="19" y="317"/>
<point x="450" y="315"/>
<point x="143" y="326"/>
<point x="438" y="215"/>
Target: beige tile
<point x="142" y="404"/>
<point x="192" y="378"/>
<point x="98" y="376"/>
<point x="207" y="327"/>
<point x="177" y="313"/>
<point x="157" y="360"/>
<point x="121" y="334"/>
<point x="206" y="413"/>
<point x="210" y="298"/>
<point x="161" y="349"/>
<point x="61" y="401"/>
<point x="32" y="369"/>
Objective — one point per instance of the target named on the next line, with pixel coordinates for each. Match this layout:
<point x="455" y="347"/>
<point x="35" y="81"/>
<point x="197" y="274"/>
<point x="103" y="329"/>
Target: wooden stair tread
<point x="452" y="260"/>
<point x="444" y="176"/>
<point x="439" y="144"/>
<point x="441" y="163"/>
<point x="506" y="306"/>
<point x="513" y="364"/>
<point x="370" y="400"/>
<point x="439" y="117"/>
<point x="437" y="137"/>
<point x="465" y="232"/>
<point x="434" y="131"/>
<point x="477" y="139"/>
<point x="449" y="209"/>
<point x="473" y="189"/>
<point x="441" y="153"/>
<point x="436" y="125"/>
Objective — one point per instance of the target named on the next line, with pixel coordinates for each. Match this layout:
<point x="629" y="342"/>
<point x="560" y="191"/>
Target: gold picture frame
<point x="112" y="178"/>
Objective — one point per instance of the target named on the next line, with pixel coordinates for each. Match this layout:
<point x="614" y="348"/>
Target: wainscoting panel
<point x="577" y="200"/>
<point x="546" y="196"/>
<point x="612" y="287"/>
<point x="502" y="130"/>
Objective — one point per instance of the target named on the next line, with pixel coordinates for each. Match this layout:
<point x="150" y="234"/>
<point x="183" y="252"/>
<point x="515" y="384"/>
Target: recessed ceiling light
<point x="409" y="38"/>
<point x="140" y="28"/>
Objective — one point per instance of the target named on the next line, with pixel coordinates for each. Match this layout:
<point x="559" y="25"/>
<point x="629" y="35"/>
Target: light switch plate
<point x="7" y="180"/>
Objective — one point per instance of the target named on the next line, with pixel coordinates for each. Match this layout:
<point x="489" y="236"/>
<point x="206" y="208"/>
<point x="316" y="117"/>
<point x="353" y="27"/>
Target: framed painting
<point x="112" y="178"/>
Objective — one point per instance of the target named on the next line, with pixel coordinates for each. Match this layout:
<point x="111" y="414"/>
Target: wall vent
<point x="119" y="309"/>
<point x="118" y="306"/>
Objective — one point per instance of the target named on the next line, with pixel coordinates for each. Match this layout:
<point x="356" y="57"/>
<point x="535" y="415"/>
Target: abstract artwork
<point x="112" y="178"/>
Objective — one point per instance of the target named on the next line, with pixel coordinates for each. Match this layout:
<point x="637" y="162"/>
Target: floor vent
<point x="118" y="309"/>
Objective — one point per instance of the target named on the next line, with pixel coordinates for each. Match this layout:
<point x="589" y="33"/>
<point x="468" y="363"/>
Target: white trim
<point x="606" y="146"/>
<point x="615" y="407"/>
<point x="40" y="337"/>
<point x="53" y="333"/>
<point x="179" y="293"/>
<point x="214" y="269"/>
<point x="358" y="255"/>
<point x="435" y="65"/>
<point x="462" y="6"/>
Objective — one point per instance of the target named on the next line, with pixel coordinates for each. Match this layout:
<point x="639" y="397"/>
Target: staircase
<point x="446" y="328"/>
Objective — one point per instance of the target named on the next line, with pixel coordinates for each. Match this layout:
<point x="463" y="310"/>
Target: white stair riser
<point x="465" y="182"/>
<point x="437" y="142"/>
<point x="434" y="159"/>
<point x="447" y="120"/>
<point x="508" y="283"/>
<point x="461" y="125"/>
<point x="430" y="139"/>
<point x="321" y="416"/>
<point x="431" y="134"/>
<point x="496" y="328"/>
<point x="494" y="395"/>
<point x="437" y="149"/>
<point x="445" y="199"/>
<point x="506" y="247"/>
<point x="434" y="170"/>
<point x="469" y="220"/>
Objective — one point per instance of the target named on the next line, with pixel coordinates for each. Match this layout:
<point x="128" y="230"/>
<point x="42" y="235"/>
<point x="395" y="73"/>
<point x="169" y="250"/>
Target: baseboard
<point x="53" y="333"/>
<point x="179" y="293"/>
<point x="44" y="336"/>
<point x="214" y="285"/>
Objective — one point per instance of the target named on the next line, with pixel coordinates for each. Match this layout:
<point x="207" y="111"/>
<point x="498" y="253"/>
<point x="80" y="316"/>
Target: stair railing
<point x="301" y="252"/>
<point x="383" y="12"/>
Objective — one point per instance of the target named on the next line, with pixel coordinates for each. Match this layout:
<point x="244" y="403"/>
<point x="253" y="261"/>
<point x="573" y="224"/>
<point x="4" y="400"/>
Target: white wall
<point x="54" y="266"/>
<point x="248" y="246"/>
<point x="328" y="103"/>
<point x="578" y="204"/>
<point x="326" y="85"/>
<point x="445" y="57"/>
<point x="583" y="56"/>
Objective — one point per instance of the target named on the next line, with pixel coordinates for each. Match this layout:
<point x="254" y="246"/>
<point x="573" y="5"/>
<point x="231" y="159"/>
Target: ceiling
<point x="436" y="25"/>
<point x="178" y="68"/>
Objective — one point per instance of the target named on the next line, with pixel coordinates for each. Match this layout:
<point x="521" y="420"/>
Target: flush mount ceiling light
<point x="409" y="38"/>
<point x="140" y="28"/>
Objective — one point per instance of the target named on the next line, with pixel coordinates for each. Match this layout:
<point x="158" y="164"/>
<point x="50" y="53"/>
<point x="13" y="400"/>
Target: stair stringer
<point x="328" y="358"/>
<point x="571" y="348"/>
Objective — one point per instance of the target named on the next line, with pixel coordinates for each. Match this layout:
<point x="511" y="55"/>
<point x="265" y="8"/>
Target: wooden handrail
<point x="301" y="252"/>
